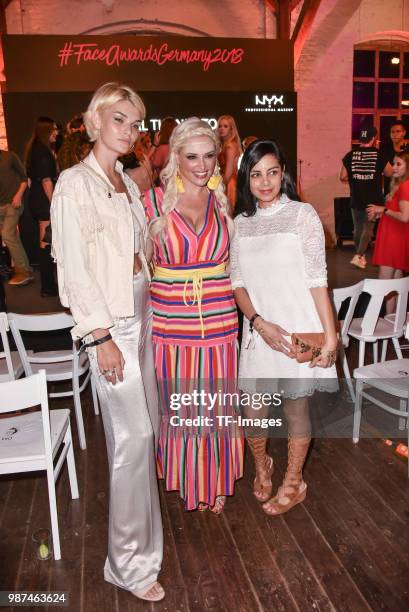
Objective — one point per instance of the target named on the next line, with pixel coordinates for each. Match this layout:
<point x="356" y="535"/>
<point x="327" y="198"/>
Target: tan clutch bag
<point x="307" y="346"/>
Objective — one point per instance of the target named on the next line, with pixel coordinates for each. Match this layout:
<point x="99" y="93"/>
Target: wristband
<point x="253" y="318"/>
<point x="95" y="343"/>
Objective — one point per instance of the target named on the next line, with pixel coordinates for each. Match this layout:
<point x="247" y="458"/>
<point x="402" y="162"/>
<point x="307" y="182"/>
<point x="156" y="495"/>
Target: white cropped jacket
<point x="93" y="245"/>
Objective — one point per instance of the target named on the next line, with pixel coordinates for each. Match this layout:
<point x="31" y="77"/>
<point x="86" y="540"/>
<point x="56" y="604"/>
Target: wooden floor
<point x="346" y="548"/>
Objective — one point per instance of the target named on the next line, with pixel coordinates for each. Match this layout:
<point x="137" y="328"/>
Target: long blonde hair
<point x="396" y="182"/>
<point x="234" y="138"/>
<point x="191" y="128"/>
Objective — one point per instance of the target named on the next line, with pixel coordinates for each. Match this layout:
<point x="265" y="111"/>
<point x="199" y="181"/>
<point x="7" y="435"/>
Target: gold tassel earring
<point x="179" y="183"/>
<point x="214" y="181"/>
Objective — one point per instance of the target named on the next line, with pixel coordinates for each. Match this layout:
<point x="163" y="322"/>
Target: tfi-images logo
<point x="269" y="103"/>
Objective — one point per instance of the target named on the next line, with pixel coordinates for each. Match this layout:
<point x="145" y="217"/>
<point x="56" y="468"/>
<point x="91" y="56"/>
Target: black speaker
<point x="344" y="227"/>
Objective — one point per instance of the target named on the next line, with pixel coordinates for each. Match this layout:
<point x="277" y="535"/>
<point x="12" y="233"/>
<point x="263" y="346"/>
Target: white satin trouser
<point x="130" y="415"/>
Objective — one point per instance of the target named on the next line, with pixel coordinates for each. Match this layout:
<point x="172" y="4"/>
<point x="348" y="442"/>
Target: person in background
<point x="246" y="143"/>
<point x="159" y="152"/>
<point x="396" y="145"/>
<point x="362" y="168"/>
<point x="42" y="171"/>
<point x="3" y="307"/>
<point x="194" y="318"/>
<point x="13" y="183"/>
<point x="143" y="145"/>
<point x="76" y="144"/>
<point x="229" y="155"/>
<point x="140" y="170"/>
<point x="392" y="239"/>
<point x="100" y="245"/>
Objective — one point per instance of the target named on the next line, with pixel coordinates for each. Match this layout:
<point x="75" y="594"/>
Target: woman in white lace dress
<point x="279" y="278"/>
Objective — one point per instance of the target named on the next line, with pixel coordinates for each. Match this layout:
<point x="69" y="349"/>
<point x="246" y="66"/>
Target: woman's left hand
<point x="326" y="358"/>
<point x="374" y="211"/>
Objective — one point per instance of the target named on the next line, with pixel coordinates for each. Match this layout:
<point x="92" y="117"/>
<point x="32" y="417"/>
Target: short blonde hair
<point x="105" y="96"/>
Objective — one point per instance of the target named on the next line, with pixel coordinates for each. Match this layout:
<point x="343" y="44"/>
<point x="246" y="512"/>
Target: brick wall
<point x="323" y="74"/>
<point x="324" y="85"/>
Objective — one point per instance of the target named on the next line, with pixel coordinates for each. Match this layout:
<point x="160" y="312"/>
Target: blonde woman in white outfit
<point x="100" y="244"/>
<point x="279" y="279"/>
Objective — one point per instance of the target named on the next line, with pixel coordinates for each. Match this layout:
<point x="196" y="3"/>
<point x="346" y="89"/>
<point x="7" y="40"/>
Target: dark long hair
<point x="246" y="202"/>
<point x="43" y="129"/>
<point x="167" y="126"/>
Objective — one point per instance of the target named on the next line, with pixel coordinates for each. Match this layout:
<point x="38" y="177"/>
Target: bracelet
<point x="251" y="321"/>
<point x="95" y="343"/>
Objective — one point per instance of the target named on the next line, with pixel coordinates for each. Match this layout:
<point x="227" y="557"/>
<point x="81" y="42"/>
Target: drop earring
<point x="214" y="181"/>
<point x="179" y="183"/>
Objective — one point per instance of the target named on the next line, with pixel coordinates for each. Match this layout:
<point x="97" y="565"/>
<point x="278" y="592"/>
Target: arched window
<point x="380" y="87"/>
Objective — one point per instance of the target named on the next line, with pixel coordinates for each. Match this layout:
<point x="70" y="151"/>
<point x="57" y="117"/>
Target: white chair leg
<point x="403" y="406"/>
<point x="361" y="353"/>
<point x="53" y="513"/>
<point x="78" y="412"/>
<point x="72" y="472"/>
<point x="357" y="412"/>
<point x="375" y="352"/>
<point x="94" y="395"/>
<point x="347" y="374"/>
<point x="397" y="348"/>
<point x="384" y="349"/>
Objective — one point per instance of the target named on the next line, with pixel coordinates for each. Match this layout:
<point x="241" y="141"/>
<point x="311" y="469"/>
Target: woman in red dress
<point x="392" y="239"/>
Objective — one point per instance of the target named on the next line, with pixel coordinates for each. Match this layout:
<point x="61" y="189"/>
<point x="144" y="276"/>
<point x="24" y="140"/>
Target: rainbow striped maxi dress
<point x="195" y="349"/>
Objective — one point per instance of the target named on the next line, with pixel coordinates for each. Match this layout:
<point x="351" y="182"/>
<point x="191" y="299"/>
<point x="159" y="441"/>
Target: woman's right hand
<point x="110" y="361"/>
<point x="273" y="335"/>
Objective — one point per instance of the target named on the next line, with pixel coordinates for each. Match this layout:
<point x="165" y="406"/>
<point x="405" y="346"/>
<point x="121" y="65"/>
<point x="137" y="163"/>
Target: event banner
<point x="149" y="63"/>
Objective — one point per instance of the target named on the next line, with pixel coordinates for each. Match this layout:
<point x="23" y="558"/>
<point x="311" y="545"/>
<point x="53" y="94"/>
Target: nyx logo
<point x="269" y="100"/>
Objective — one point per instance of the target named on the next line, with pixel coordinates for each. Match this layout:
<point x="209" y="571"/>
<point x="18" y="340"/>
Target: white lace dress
<point x="277" y="256"/>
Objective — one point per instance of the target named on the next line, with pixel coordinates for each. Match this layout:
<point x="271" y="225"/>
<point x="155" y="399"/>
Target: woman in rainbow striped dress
<point x="195" y="323"/>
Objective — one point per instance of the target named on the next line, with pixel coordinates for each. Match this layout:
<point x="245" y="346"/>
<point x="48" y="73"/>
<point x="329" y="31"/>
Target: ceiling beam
<point x="303" y="26"/>
<point x="284" y="20"/>
<point x="3" y="23"/>
<point x="274" y="5"/>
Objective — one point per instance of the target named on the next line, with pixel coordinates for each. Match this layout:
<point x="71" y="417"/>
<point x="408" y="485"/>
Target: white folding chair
<point x="390" y="377"/>
<point x="392" y="317"/>
<point x="11" y="366"/>
<point x="60" y="365"/>
<point x="30" y="442"/>
<point x="371" y="327"/>
<point x="340" y="296"/>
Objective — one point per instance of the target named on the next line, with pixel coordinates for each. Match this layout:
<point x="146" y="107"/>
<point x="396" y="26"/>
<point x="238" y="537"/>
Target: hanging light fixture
<point x="395" y="60"/>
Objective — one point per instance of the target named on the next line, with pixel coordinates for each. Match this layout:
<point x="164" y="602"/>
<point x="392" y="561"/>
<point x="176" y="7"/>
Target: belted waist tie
<point x="194" y="276"/>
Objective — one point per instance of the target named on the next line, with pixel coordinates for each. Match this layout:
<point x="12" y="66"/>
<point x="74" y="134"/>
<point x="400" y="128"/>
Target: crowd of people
<point x="379" y="185"/>
<point x="153" y="256"/>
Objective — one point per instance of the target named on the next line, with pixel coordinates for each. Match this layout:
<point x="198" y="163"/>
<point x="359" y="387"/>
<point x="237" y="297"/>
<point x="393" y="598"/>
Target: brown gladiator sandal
<point x="262" y="487"/>
<point x="293" y="489"/>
